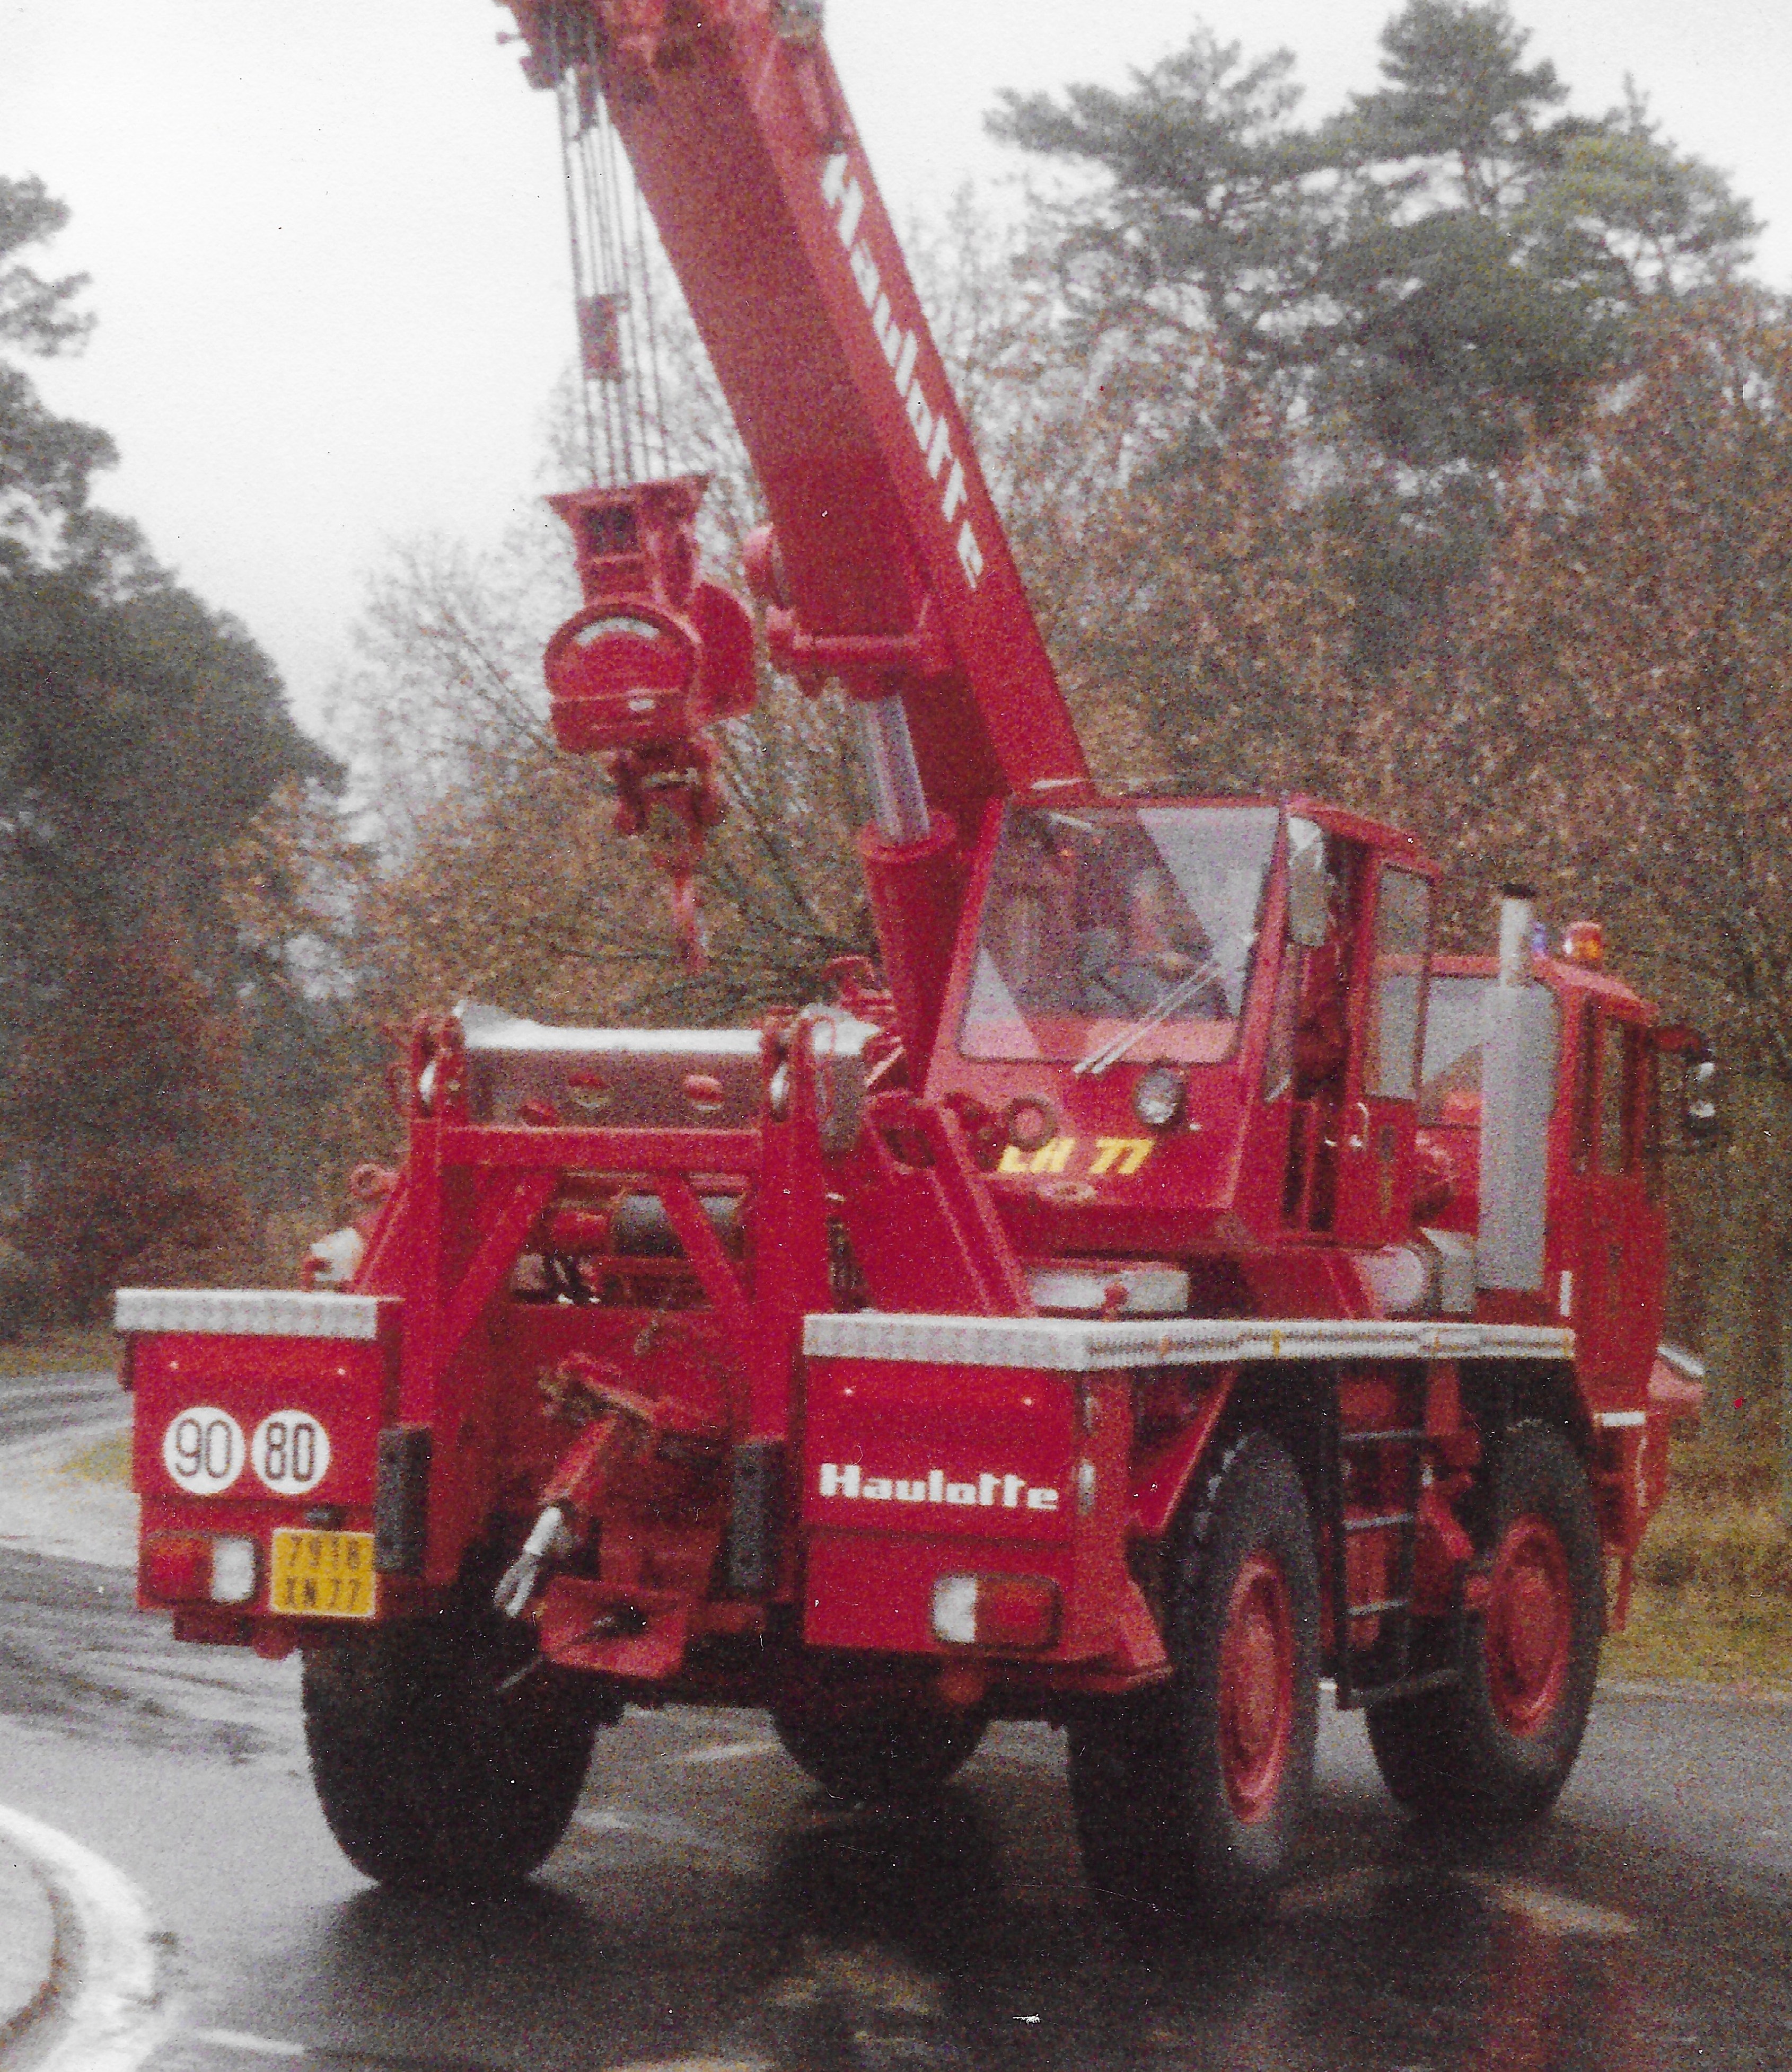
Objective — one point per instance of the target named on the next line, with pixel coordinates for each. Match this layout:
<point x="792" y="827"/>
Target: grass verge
<point x="61" y="1349"/>
<point x="1673" y="1636"/>
<point x="1713" y="1600"/>
<point x="107" y="1460"/>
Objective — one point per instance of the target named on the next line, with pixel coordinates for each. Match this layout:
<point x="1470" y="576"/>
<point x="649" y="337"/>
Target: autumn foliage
<point x="1430" y="459"/>
<point x="127" y="1092"/>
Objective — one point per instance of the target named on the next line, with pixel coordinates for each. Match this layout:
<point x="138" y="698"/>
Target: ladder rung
<point x="1382" y="1523"/>
<point x="1375" y="1610"/>
<point x="1378" y="1438"/>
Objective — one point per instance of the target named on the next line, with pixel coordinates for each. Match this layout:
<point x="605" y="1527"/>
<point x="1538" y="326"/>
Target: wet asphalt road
<point x="711" y="1908"/>
<point x="33" y="1405"/>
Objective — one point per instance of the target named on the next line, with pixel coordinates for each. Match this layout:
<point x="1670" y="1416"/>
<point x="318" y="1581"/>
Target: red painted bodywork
<point x="904" y="1175"/>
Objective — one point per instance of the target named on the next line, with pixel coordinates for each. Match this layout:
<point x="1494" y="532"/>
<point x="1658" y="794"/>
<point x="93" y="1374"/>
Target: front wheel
<point x="1190" y="1798"/>
<point x="441" y="1760"/>
<point x="1497" y="1745"/>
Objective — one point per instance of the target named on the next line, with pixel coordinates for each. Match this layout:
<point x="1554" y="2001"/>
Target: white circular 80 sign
<point x="290" y="1451"/>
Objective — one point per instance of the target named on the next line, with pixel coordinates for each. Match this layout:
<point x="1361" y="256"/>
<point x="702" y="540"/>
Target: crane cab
<point x="1193" y="1025"/>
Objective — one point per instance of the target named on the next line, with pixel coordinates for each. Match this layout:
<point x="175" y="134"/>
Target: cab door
<point x="1377" y="1125"/>
<point x="1617" y="1239"/>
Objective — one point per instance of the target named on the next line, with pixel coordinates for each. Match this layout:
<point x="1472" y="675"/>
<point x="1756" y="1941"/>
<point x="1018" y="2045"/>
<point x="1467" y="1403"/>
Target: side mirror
<point x="1701" y="1119"/>
<point x="1309" y="885"/>
<point x="1701" y="1109"/>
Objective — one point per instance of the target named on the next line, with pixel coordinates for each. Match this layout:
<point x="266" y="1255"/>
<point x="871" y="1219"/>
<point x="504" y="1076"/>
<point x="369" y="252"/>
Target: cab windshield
<point x="1097" y="921"/>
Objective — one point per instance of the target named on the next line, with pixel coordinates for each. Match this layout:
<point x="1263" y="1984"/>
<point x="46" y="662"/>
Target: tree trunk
<point x="1744" y="1315"/>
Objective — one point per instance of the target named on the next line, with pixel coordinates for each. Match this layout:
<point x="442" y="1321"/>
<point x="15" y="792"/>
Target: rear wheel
<point x="1498" y="1745"/>
<point x="887" y="1748"/>
<point x="434" y="1768"/>
<point x="1190" y="1797"/>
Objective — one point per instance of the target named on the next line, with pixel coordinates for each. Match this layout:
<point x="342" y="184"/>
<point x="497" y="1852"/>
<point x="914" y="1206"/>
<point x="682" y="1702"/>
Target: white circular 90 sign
<point x="290" y="1451"/>
<point x="203" y="1450"/>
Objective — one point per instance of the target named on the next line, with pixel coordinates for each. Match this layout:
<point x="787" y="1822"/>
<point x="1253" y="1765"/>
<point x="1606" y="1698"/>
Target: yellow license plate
<point x="321" y="1575"/>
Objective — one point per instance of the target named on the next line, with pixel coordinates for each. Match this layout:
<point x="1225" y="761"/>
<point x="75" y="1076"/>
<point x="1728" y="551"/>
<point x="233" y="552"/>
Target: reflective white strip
<point x="1683" y="1363"/>
<point x="1071" y="1347"/>
<point x="1615" y="1420"/>
<point x="249" y="1313"/>
<point x="489" y="1029"/>
<point x="525" y="1038"/>
<point x="1159" y="1291"/>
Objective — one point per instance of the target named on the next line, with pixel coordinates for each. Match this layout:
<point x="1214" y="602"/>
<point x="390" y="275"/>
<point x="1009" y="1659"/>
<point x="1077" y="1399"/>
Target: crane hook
<point x="651" y="660"/>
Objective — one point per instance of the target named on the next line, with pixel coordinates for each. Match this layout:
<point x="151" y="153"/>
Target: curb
<point x="91" y="1994"/>
<point x="27" y="1943"/>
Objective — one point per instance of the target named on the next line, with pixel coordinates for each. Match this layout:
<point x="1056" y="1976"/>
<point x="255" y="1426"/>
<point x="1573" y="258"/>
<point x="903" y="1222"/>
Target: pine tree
<point x="140" y="733"/>
<point x="1421" y="284"/>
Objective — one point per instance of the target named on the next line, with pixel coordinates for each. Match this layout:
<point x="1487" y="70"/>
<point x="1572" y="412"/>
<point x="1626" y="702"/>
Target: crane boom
<point x="893" y="570"/>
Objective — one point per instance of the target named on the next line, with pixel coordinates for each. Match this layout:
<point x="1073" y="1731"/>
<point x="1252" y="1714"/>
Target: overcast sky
<point x="329" y="262"/>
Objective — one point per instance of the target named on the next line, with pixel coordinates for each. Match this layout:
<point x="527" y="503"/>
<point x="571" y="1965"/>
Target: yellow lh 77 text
<point x="1121" y="1155"/>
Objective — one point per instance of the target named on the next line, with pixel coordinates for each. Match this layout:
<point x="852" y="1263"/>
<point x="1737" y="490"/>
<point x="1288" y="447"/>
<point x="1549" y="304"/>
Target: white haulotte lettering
<point x="989" y="1491"/>
<point x="901" y="348"/>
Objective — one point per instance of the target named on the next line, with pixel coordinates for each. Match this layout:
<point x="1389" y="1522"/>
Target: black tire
<point x="1190" y="1799"/>
<point x="430" y="1774"/>
<point x="888" y="1749"/>
<point x="1497" y="1747"/>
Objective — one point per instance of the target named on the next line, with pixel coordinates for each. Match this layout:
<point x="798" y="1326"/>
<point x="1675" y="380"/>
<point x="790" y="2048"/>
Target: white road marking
<point x="1553" y="1913"/>
<point x="725" y="1752"/>
<point x="109" y="2012"/>
<point x="1339" y="1890"/>
<point x="264" y="2046"/>
<point x="697" y="2064"/>
<point x="255" y="2046"/>
<point x="874" y="1977"/>
<point x="663" y="1828"/>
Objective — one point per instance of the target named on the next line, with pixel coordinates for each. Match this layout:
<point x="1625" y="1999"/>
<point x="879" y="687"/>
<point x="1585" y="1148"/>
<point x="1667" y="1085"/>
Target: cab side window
<point x="1611" y="1130"/>
<point x="1617" y="1106"/>
<point x="1586" y="1087"/>
<point x="1397" y="987"/>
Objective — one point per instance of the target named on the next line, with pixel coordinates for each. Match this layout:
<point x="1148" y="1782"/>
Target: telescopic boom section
<point x="887" y="568"/>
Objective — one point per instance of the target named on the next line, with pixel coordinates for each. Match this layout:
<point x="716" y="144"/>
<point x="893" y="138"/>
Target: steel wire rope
<point x="610" y="276"/>
<point x="601" y="270"/>
<point x="565" y="102"/>
<point x="604" y="155"/>
<point x="653" y="332"/>
<point x="609" y="272"/>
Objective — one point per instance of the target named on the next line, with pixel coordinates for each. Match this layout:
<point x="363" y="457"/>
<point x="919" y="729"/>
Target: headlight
<point x="1157" y="1099"/>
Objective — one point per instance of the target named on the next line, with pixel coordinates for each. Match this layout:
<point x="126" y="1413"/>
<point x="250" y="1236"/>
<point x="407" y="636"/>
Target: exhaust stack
<point x="1517" y="932"/>
<point x="1518" y="1096"/>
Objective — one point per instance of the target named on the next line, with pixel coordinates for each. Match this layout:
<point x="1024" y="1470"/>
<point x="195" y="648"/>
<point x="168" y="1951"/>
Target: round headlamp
<point x="1157" y="1098"/>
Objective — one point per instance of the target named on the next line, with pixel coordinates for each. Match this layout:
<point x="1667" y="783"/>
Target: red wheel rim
<point x="1529" y="1636"/>
<point x="1256" y="1709"/>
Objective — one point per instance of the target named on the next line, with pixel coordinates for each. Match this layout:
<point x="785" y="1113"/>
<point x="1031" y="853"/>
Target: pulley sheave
<point x="653" y="658"/>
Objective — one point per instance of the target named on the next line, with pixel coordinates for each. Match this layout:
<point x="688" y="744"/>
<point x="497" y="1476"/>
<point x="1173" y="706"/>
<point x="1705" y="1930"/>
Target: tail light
<point x="995" y="1611"/>
<point x="199" y="1568"/>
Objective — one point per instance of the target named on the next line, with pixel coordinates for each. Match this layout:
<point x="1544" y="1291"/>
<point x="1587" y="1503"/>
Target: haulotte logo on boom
<point x="989" y="1491"/>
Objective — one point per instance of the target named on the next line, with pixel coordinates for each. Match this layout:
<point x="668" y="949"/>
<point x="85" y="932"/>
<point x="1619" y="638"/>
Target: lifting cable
<point x="622" y="405"/>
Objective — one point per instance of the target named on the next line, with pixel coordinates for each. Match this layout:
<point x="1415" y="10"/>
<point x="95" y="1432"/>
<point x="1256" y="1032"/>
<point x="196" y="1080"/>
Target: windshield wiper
<point x="1114" y="1048"/>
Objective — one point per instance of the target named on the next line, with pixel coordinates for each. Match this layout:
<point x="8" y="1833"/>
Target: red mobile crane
<point x="1173" y="1284"/>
